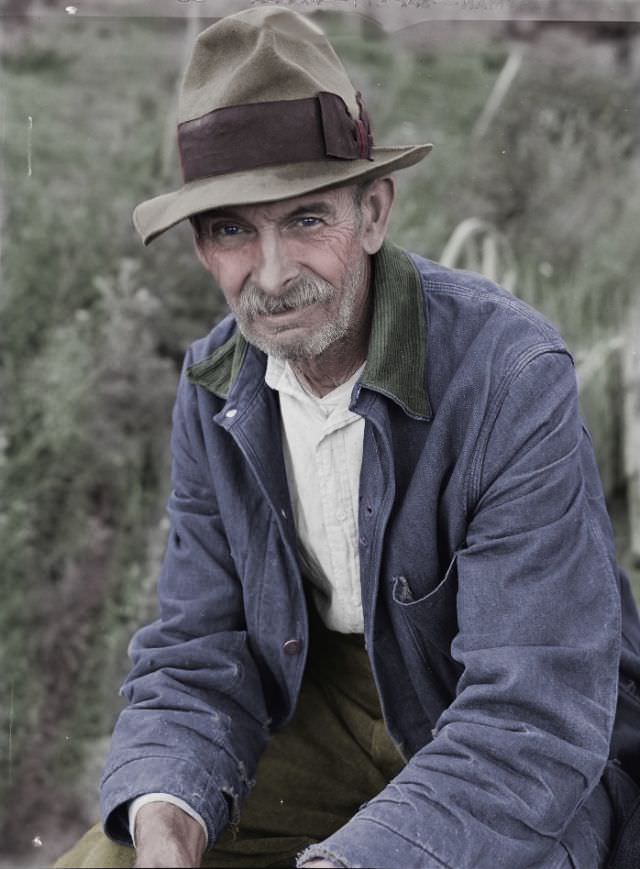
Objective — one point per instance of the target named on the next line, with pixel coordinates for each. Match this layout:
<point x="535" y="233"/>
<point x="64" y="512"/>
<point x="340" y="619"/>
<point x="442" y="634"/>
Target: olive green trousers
<point x="334" y="755"/>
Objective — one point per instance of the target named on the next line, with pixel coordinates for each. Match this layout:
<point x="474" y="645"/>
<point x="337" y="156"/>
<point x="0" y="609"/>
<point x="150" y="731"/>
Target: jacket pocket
<point x="432" y="618"/>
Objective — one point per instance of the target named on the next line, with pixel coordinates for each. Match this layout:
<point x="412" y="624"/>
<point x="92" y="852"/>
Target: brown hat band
<point x="237" y="138"/>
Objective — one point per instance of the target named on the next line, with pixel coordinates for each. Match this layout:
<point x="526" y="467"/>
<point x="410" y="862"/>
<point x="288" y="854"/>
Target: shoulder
<point x="477" y="297"/>
<point x="476" y="325"/>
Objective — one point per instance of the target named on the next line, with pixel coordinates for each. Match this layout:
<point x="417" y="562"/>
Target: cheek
<point x="331" y="255"/>
<point x="229" y="274"/>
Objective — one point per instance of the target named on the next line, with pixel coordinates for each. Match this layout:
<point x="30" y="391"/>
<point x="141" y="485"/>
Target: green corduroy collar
<point x="396" y="356"/>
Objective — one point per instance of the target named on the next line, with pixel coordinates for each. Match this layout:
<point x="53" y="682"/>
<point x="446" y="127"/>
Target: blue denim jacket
<point x="496" y="619"/>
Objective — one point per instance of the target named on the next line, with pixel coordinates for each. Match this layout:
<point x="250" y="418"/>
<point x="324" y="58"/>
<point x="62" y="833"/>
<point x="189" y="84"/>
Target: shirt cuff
<point x="136" y="805"/>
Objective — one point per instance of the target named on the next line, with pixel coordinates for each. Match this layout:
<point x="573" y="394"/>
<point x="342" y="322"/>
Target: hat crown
<point x="260" y="55"/>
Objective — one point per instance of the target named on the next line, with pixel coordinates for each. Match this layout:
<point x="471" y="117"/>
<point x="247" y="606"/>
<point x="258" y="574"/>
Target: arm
<point x="527" y="736"/>
<point x="136" y="805"/>
<point x="167" y="836"/>
<point x="196" y="722"/>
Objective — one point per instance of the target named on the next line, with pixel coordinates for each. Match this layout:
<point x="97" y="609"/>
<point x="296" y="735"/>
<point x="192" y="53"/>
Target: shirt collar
<point x="276" y="375"/>
<point x="396" y="355"/>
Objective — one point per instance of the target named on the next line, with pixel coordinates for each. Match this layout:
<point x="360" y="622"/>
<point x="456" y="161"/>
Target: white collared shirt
<point x="322" y="445"/>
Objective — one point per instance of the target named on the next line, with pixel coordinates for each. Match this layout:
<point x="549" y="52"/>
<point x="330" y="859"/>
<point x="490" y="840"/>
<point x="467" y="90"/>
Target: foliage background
<point x="94" y="326"/>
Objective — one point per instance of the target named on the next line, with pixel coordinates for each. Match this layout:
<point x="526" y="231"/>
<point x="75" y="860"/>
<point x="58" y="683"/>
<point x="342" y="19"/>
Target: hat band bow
<point x="238" y="138"/>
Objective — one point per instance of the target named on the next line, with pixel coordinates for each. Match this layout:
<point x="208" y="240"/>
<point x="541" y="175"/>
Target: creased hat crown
<point x="265" y="54"/>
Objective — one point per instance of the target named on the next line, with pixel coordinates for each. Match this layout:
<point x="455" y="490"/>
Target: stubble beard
<point x="307" y="290"/>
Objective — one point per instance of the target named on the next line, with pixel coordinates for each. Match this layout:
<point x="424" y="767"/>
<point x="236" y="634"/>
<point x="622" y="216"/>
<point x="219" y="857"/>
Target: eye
<point x="308" y="221"/>
<point x="227" y="230"/>
<point x="224" y="231"/>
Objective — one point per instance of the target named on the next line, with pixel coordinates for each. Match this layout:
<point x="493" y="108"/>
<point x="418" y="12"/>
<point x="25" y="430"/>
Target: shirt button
<point x="231" y="413"/>
<point x="292" y="647"/>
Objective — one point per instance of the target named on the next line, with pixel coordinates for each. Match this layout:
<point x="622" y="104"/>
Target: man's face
<point x="294" y="272"/>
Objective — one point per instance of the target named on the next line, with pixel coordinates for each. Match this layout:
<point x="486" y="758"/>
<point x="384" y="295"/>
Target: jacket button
<point x="292" y="647"/>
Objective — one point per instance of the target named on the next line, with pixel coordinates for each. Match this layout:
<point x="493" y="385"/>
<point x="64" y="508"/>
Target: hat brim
<point x="265" y="184"/>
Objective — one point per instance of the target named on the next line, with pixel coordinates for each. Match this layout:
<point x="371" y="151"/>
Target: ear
<point x="377" y="203"/>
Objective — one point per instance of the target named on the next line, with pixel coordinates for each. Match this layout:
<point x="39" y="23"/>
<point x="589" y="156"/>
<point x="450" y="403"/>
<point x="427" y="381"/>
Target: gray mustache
<point x="254" y="302"/>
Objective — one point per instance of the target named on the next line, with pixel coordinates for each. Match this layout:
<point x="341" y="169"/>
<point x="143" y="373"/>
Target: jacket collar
<point x="396" y="356"/>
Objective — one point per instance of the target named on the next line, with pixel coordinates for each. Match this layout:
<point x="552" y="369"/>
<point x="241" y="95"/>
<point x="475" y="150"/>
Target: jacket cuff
<point x="367" y="844"/>
<point x="179" y="778"/>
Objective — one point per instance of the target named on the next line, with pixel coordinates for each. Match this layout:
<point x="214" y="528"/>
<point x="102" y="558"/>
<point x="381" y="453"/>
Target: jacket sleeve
<point x="193" y="674"/>
<point x="527" y="736"/>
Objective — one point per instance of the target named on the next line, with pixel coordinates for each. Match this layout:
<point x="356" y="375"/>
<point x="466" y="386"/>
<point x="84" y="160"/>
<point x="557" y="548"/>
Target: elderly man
<point x="392" y="630"/>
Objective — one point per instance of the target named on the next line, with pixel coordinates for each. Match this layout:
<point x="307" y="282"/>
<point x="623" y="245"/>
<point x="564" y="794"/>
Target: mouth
<point x="287" y="315"/>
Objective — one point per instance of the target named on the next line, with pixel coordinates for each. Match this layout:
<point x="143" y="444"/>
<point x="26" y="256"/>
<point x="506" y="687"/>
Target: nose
<point x="273" y="267"/>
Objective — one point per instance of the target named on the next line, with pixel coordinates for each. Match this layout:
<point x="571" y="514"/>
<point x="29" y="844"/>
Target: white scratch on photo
<point x="11" y="734"/>
<point x="29" y="144"/>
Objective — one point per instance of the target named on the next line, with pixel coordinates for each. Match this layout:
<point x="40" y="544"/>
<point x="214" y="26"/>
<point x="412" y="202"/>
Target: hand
<point x="167" y="837"/>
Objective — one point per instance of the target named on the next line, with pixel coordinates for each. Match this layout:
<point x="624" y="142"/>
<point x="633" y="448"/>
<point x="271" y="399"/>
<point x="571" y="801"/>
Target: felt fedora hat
<point x="267" y="112"/>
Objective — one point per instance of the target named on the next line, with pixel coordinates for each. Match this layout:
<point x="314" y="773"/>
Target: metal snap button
<point x="292" y="647"/>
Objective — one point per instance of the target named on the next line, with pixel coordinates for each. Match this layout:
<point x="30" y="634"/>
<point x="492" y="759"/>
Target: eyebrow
<point x="319" y="207"/>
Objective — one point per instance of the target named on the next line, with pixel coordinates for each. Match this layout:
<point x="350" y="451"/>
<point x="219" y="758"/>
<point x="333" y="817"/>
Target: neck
<point x="322" y="378"/>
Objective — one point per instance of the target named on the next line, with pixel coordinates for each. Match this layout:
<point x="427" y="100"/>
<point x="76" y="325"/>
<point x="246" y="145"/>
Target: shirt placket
<point x="340" y="519"/>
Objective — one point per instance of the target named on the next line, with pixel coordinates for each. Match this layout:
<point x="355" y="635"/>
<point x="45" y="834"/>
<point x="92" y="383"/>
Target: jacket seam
<point x="508" y="379"/>
<point x="513" y="304"/>
<point x="147" y="757"/>
<point x="615" y="600"/>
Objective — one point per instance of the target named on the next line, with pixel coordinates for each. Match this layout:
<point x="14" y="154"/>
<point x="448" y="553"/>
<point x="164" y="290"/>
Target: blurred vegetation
<point x="557" y="172"/>
<point x="94" y="326"/>
<point x="94" y="329"/>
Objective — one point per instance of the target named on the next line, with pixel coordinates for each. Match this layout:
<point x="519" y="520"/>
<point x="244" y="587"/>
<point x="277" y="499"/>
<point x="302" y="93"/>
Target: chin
<point x="293" y="349"/>
<point x="287" y="351"/>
